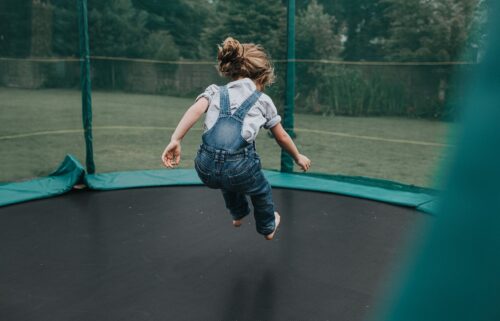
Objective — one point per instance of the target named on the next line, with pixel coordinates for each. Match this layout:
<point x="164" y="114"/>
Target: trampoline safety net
<point x="370" y="95"/>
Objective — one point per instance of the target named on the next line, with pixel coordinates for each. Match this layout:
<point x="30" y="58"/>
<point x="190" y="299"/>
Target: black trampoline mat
<point x="172" y="253"/>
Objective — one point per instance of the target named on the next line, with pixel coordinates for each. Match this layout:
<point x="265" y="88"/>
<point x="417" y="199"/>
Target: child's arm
<point x="286" y="142"/>
<point x="172" y="154"/>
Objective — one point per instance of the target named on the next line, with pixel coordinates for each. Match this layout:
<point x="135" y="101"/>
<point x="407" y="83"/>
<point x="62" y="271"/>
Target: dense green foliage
<point x="427" y="30"/>
<point x="349" y="30"/>
<point x="258" y="21"/>
<point x="15" y="28"/>
<point x="430" y="30"/>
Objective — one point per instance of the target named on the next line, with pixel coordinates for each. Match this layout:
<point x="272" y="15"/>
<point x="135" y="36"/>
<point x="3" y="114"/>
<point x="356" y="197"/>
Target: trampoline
<point x="171" y="253"/>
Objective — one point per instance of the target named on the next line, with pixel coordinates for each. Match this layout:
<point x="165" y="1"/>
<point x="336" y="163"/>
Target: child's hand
<point x="303" y="162"/>
<point x="171" y="157"/>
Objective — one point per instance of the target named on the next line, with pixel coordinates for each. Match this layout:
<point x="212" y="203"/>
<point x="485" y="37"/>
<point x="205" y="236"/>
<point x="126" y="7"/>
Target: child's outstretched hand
<point x="171" y="157"/>
<point x="303" y="162"/>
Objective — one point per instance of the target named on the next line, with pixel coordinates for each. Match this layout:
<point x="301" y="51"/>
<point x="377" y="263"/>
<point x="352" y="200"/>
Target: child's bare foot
<point x="277" y="219"/>
<point x="237" y="223"/>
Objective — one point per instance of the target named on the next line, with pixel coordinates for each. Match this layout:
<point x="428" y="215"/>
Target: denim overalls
<point x="228" y="162"/>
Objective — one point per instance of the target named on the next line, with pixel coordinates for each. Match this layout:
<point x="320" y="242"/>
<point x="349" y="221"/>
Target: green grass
<point x="147" y="121"/>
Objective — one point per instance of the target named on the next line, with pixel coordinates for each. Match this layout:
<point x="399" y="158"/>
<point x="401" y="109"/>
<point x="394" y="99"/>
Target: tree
<point x="160" y="45"/>
<point x="65" y="39"/>
<point x="426" y="30"/>
<point x="259" y="21"/>
<point x="366" y="27"/>
<point x="15" y="28"/>
<point x="315" y="40"/>
<point x="116" y="28"/>
<point x="183" y="19"/>
<point x="429" y="30"/>
<point x="315" y="36"/>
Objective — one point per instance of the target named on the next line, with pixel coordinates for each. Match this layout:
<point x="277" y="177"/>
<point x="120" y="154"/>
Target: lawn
<point x="39" y="127"/>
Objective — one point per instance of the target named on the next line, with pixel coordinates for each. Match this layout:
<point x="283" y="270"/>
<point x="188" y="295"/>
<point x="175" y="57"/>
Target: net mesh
<point x="40" y="101"/>
<point x="366" y="104"/>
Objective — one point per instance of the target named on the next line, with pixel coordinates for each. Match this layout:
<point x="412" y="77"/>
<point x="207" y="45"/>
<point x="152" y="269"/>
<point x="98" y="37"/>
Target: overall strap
<point x="241" y="112"/>
<point x="225" y="107"/>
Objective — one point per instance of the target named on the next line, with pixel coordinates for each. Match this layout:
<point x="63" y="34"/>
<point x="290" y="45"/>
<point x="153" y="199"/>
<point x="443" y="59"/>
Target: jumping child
<point x="227" y="158"/>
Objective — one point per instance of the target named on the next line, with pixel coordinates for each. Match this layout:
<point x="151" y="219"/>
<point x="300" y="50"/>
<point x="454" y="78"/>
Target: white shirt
<point x="262" y="114"/>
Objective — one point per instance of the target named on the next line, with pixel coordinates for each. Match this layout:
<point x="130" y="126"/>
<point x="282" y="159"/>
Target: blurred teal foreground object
<point x="455" y="274"/>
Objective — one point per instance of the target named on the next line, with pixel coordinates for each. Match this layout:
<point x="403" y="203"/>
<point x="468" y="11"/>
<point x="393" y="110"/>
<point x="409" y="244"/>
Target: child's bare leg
<point x="277" y="220"/>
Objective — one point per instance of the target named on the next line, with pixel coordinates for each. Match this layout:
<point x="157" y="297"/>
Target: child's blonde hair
<point x="236" y="60"/>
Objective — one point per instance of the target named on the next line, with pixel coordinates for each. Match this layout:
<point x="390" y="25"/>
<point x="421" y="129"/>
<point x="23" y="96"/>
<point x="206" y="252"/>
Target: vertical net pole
<point x="86" y="85"/>
<point x="286" y="159"/>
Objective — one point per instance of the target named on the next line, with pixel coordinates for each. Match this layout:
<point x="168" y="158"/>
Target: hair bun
<point x="231" y="54"/>
<point x="248" y="60"/>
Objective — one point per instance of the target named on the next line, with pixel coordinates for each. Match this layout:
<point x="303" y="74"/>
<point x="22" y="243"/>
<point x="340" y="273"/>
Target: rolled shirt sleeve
<point x="271" y="114"/>
<point x="209" y="93"/>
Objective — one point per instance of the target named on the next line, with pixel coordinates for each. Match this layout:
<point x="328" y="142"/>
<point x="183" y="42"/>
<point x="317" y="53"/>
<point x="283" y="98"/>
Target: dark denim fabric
<point x="226" y="161"/>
